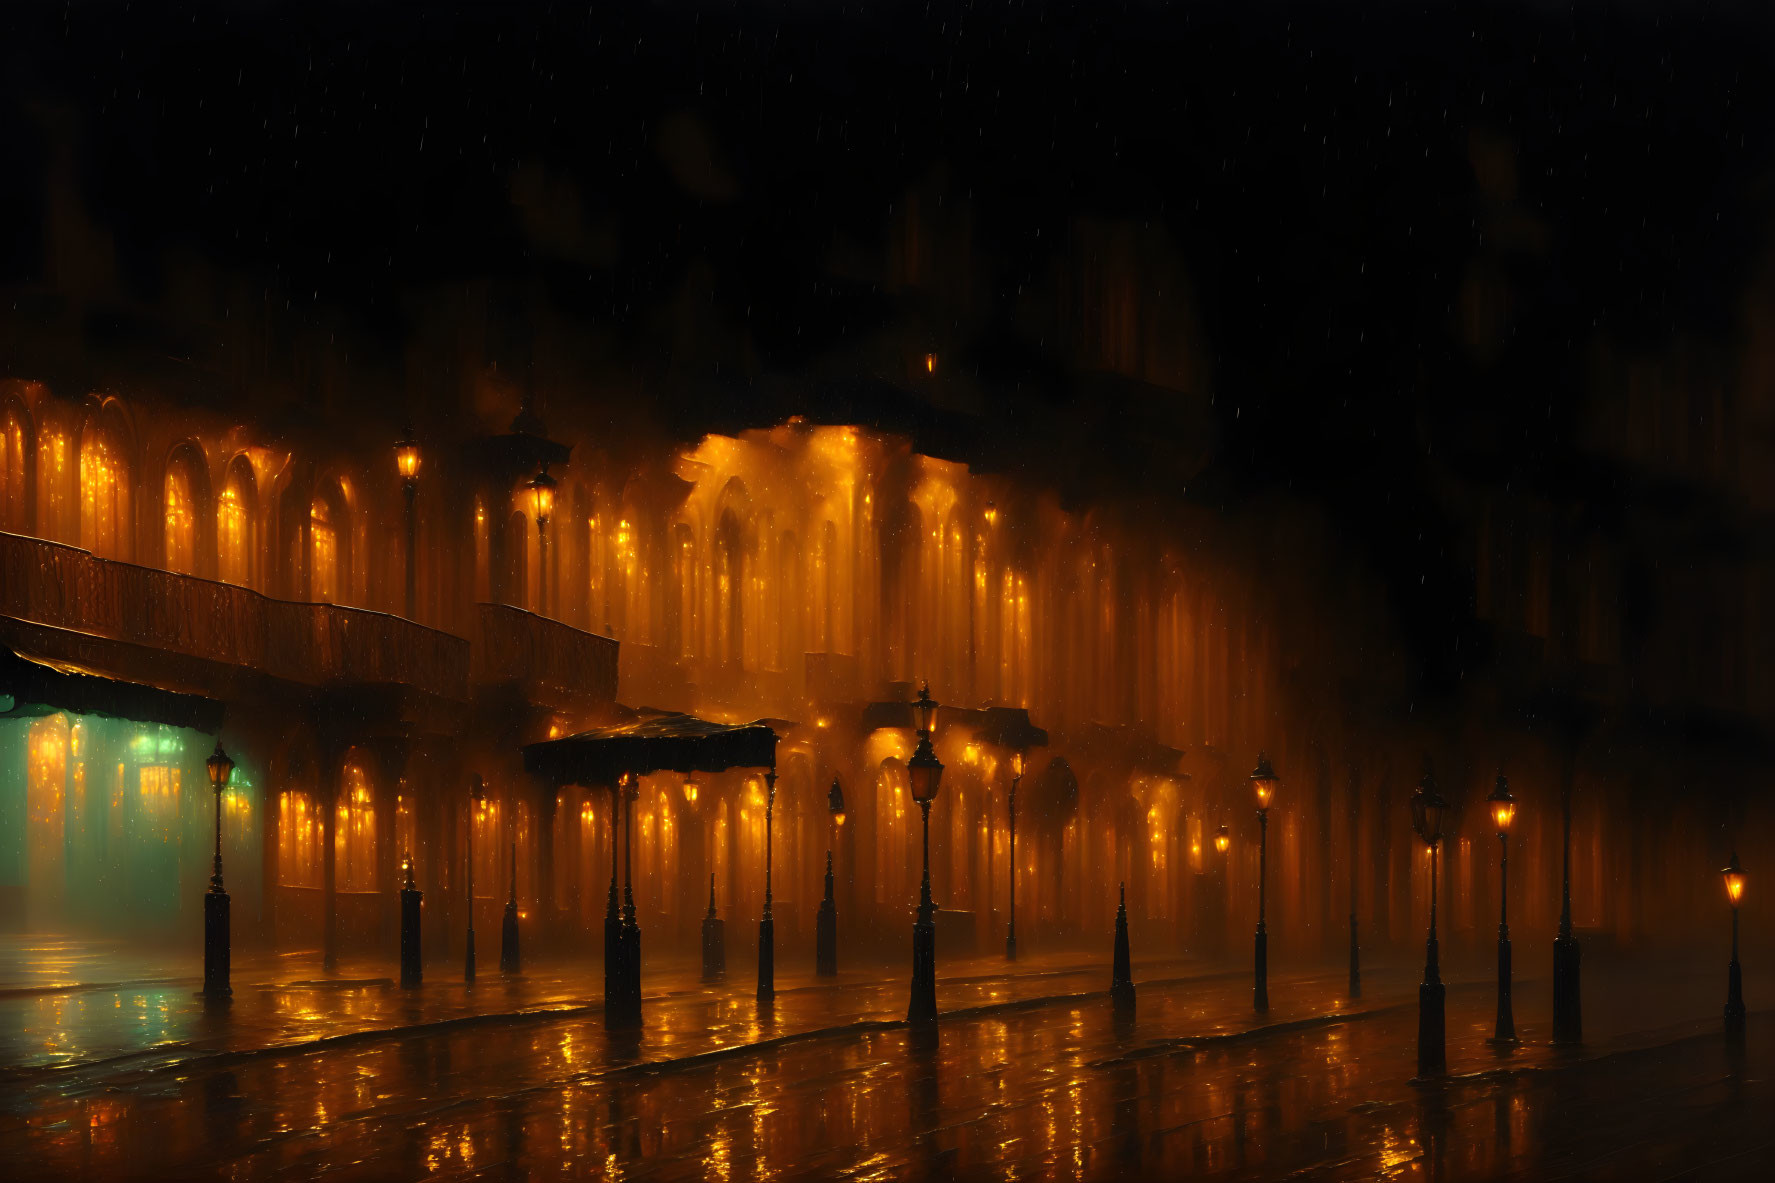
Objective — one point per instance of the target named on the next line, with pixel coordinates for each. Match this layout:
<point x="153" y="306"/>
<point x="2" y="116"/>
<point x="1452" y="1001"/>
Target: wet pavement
<point x="1029" y="1074"/>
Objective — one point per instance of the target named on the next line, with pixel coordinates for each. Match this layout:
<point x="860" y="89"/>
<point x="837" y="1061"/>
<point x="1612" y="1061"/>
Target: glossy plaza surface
<point x="1028" y="1073"/>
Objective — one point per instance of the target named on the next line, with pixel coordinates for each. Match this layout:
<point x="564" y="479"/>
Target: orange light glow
<point x="406" y="458"/>
<point x="1734" y="876"/>
<point x="323" y="575"/>
<point x="1502" y="814"/>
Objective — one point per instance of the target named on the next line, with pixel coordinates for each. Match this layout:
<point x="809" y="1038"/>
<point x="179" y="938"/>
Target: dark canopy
<point x="652" y="741"/>
<point x="1010" y="728"/>
<point x="38" y="686"/>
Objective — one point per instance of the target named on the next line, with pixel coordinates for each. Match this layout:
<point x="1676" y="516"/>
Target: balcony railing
<point x="554" y="662"/>
<point x="65" y="587"/>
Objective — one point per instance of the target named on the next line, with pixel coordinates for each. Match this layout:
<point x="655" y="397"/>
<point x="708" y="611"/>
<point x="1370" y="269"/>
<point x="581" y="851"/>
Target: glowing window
<point x="104" y="494"/>
<point x="233" y="549"/>
<point x="12" y="473"/>
<point x="354" y="834"/>
<point x="300" y="833"/>
<point x="181" y="521"/>
<point x="324" y="568"/>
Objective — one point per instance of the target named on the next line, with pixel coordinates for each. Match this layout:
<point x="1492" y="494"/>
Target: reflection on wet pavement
<point x="1061" y="1090"/>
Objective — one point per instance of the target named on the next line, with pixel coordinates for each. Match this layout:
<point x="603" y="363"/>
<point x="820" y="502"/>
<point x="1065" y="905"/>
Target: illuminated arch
<point x="237" y="525"/>
<point x="329" y="543"/>
<point x="186" y="505"/>
<point x="106" y="473"/>
<point x="18" y="454"/>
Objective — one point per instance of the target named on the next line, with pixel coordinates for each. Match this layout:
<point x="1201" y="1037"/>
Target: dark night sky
<point x="1330" y="178"/>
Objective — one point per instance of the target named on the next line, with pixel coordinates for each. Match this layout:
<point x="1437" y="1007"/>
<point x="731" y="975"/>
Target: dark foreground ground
<point x="1030" y="1075"/>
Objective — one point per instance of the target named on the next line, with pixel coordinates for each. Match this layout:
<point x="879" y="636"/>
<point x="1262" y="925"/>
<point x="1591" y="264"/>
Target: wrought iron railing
<point x="315" y="644"/>
<point x="543" y="655"/>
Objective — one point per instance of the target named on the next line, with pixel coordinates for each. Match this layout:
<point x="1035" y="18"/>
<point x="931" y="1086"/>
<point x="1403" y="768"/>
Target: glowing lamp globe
<point x="1223" y="841"/>
<point x="1734" y="875"/>
<point x="542" y="497"/>
<point x="406" y="457"/>
<point x="220" y="768"/>
<point x="1503" y="805"/>
<point x="1263" y="782"/>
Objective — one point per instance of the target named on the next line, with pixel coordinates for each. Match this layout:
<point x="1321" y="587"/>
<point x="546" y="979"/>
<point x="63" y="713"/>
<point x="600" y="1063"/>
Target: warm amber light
<point x="1734" y="880"/>
<point x="930" y="363"/>
<point x="1502" y="814"/>
<point x="838" y="818"/>
<point x="1222" y="841"/>
<point x="1263" y="781"/>
<point x="690" y="790"/>
<point x="542" y="497"/>
<point x="406" y="458"/>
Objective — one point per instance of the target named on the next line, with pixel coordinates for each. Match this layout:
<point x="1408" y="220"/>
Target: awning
<point x="1010" y="728"/>
<point x="39" y="686"/>
<point x="652" y="741"/>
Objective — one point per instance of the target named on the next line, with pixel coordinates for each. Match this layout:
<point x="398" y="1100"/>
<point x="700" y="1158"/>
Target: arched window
<point x="682" y="617"/>
<point x="181" y="517"/>
<point x="15" y="459"/>
<point x="237" y="511"/>
<point x="323" y="552"/>
<point x="354" y="832"/>
<point x="104" y="490"/>
<point x="730" y="590"/>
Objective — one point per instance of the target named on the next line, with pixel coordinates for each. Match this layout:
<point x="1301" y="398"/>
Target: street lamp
<point x="509" y="959"/>
<point x="1011" y="930"/>
<point x="826" y="923"/>
<point x="216" y="953"/>
<point x="406" y="461"/>
<point x="1734" y="875"/>
<point x="1263" y="783"/>
<point x="477" y="799"/>
<point x="1223" y="841"/>
<point x="767" y="927"/>
<point x="925" y="772"/>
<point x="1428" y="810"/>
<point x="1568" y="997"/>
<point x="1503" y="812"/>
<point x="542" y="505"/>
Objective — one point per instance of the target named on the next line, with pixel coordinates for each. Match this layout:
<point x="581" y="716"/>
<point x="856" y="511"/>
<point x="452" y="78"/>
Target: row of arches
<point x="87" y="478"/>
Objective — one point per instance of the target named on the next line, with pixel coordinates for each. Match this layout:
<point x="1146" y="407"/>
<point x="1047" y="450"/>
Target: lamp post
<point x="509" y="962"/>
<point x="1223" y="842"/>
<point x="216" y="953"/>
<point x="631" y="931"/>
<point x="767" y="927"/>
<point x="1503" y="812"/>
<point x="412" y="971"/>
<point x="1263" y="783"/>
<point x="1011" y="929"/>
<point x="1568" y="1001"/>
<point x="1734" y="875"/>
<point x="925" y="772"/>
<point x="542" y="505"/>
<point x="1427" y="812"/>
<point x="614" y="977"/>
<point x="477" y="797"/>
<point x="826" y="924"/>
<point x="406" y="460"/>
